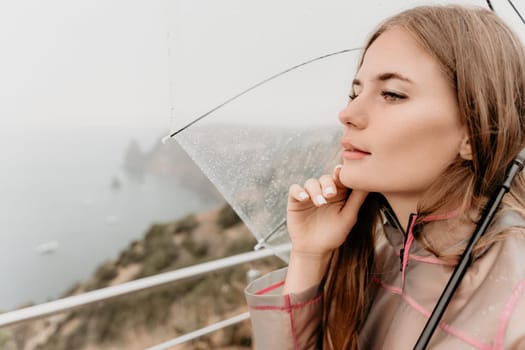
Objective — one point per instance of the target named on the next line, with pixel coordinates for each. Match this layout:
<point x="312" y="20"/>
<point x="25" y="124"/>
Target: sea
<point x="67" y="205"/>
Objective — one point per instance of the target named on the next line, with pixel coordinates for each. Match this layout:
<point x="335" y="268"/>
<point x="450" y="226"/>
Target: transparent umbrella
<point x="283" y="129"/>
<point x="253" y="154"/>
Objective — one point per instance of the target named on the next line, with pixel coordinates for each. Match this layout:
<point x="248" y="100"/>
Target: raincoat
<point x="486" y="312"/>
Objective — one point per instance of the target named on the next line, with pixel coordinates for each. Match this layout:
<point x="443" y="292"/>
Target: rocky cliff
<point x="145" y="319"/>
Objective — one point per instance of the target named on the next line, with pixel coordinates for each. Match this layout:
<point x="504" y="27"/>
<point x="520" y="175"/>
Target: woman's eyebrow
<point x="384" y="77"/>
<point x="393" y="75"/>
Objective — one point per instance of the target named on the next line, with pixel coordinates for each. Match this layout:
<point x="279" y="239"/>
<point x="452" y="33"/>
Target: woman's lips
<point x="352" y="152"/>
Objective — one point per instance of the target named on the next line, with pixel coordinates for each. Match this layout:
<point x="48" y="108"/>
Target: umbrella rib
<point x="489" y="4"/>
<point x="264" y="81"/>
<point x="261" y="242"/>
<point x="516" y="10"/>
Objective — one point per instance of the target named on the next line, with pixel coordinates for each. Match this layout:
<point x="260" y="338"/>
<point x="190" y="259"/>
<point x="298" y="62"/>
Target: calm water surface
<point x="55" y="186"/>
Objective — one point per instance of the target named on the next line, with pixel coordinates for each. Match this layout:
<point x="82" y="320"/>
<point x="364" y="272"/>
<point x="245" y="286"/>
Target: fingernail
<point x="320" y="199"/>
<point x="329" y="190"/>
<point x="338" y="166"/>
<point x="303" y="196"/>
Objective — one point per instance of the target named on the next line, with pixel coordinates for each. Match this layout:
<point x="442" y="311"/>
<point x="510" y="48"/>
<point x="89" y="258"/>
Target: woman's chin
<point x="349" y="178"/>
<point x="351" y="182"/>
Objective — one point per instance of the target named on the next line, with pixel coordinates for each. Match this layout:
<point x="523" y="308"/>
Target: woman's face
<point x="403" y="117"/>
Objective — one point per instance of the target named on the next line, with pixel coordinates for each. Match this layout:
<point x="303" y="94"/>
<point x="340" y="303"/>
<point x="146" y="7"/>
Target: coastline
<point x="148" y="318"/>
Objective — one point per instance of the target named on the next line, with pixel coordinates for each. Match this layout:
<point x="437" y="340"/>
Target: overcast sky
<point x="115" y="62"/>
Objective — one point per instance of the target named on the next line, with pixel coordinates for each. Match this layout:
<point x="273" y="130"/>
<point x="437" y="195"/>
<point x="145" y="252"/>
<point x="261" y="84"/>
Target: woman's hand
<point x="321" y="214"/>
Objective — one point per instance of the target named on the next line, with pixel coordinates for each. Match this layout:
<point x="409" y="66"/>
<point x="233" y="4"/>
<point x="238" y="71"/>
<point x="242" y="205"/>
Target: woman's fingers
<point x="313" y="187"/>
<point x="335" y="176"/>
<point x="328" y="187"/>
<point x="318" y="191"/>
<point x="298" y="193"/>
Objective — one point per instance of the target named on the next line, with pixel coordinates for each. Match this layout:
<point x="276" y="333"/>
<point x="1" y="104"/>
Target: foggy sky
<point x="116" y="62"/>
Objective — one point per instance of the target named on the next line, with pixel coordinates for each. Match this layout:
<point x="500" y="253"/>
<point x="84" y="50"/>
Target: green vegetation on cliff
<point x="144" y="319"/>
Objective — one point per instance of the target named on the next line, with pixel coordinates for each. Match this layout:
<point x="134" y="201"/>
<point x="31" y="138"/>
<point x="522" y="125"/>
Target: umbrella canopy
<point x="254" y="151"/>
<point x="256" y="138"/>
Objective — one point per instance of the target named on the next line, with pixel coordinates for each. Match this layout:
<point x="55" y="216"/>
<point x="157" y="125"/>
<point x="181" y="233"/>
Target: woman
<point x="436" y="115"/>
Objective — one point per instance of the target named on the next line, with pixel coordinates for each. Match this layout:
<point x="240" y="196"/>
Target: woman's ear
<point x="465" y="150"/>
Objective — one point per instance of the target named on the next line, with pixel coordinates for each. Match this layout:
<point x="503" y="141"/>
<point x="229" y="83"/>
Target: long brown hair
<point x="484" y="62"/>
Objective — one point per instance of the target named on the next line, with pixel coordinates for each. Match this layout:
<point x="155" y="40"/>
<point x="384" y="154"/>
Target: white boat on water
<point x="47" y="247"/>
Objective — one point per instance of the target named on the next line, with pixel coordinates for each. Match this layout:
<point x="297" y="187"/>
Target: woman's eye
<point x="352" y="97"/>
<point x="392" y="96"/>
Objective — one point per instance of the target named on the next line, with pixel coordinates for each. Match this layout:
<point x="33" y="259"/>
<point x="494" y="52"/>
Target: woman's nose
<point x="353" y="116"/>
